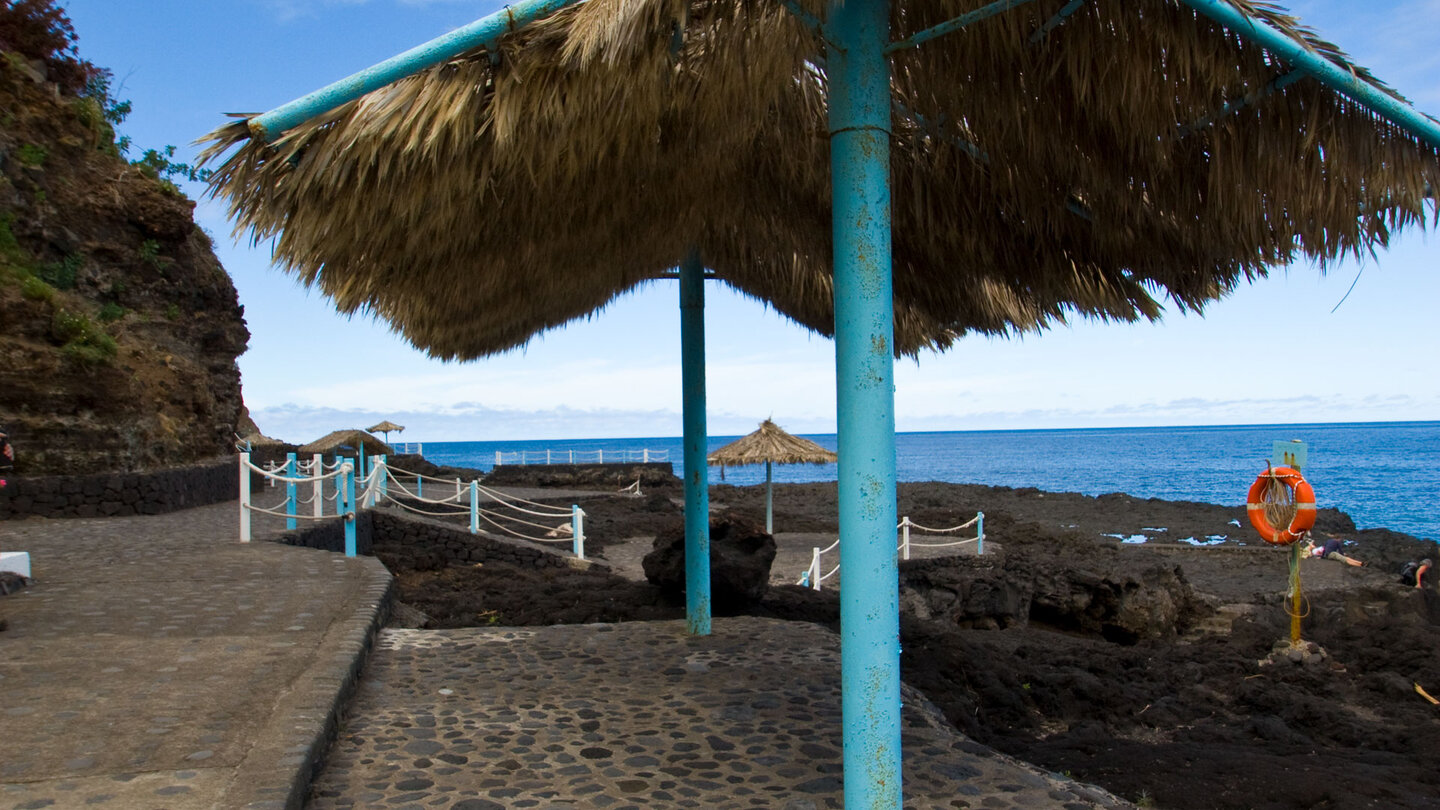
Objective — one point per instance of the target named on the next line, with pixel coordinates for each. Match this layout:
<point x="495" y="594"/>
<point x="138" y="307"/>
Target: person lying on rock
<point x="1414" y="573"/>
<point x="1330" y="550"/>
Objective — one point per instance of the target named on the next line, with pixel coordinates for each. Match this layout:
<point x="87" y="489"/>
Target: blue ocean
<point x="1383" y="474"/>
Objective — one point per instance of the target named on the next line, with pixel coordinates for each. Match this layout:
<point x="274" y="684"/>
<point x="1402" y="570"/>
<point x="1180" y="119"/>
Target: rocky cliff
<point x="119" y="329"/>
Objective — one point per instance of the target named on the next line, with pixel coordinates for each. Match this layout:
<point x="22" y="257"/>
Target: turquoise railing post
<point x="980" y="533"/>
<point x="860" y="107"/>
<point x="348" y="507"/>
<point x="474" y="507"/>
<point x="292" y="470"/>
<point x="697" y="473"/>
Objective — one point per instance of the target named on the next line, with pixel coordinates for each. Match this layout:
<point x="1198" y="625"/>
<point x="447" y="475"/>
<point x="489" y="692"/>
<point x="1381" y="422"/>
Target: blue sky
<point x="1272" y="352"/>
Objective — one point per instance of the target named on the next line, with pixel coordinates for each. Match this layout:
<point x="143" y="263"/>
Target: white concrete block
<point x="17" y="562"/>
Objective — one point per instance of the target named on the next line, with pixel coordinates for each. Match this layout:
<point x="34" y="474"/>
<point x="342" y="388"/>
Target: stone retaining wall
<point x="119" y="494"/>
<point x="583" y="476"/>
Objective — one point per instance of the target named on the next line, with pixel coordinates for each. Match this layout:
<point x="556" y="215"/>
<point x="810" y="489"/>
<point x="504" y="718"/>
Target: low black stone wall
<point x="118" y="494"/>
<point x="329" y="535"/>
<point x="423" y="544"/>
<point x="580" y="476"/>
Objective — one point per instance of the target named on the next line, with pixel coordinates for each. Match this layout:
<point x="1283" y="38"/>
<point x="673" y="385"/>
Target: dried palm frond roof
<point x="352" y="439"/>
<point x="770" y="443"/>
<point x="1133" y="153"/>
<point x="385" y="427"/>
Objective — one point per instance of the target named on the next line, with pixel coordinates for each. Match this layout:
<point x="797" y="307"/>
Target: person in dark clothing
<point x="1414" y="573"/>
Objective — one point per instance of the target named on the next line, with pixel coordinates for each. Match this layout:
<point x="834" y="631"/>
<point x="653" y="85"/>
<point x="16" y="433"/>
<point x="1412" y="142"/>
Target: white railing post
<point x="497" y="458"/>
<point x="572" y="456"/>
<point x="980" y="536"/>
<point x="645" y="456"/>
<point x="317" y="469"/>
<point x="474" y="507"/>
<point x="244" y="497"/>
<point x="905" y="533"/>
<point x="602" y="456"/>
<point x="577" y="528"/>
<point x="457" y="489"/>
<point x="815" y="568"/>
<point x="547" y="456"/>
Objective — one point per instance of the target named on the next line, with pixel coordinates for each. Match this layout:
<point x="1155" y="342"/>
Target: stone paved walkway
<point x="158" y="663"/>
<point x="639" y="715"/>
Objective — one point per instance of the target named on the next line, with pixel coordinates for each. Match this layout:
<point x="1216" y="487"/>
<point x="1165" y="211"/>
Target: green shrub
<point x="61" y="274"/>
<point x="31" y="154"/>
<point x="111" y="312"/>
<point x="98" y="352"/>
<point x="84" y="343"/>
<point x="67" y="326"/>
<point x="36" y="290"/>
<point x="172" y="312"/>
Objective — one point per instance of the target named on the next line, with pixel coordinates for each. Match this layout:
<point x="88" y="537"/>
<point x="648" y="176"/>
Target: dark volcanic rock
<point x="119" y="329"/>
<point x="740" y="558"/>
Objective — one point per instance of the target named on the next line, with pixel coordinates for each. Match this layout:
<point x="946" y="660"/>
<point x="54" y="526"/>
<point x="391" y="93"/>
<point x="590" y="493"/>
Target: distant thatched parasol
<point x="385" y="427"/>
<point x="770" y="445"/>
<point x="347" y="442"/>
<point x="1050" y="162"/>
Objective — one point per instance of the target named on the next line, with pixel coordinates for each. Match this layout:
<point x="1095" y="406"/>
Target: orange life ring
<point x="1304" y="496"/>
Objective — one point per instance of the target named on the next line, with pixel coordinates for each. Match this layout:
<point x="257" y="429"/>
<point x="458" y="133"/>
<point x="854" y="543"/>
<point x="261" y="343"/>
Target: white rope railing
<point x="600" y="456"/>
<point x="812" y="576"/>
<point x="375" y="488"/>
<point x="633" y="490"/>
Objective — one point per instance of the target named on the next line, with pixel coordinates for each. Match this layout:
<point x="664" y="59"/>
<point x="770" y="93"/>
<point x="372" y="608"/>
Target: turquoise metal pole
<point x="769" y="501"/>
<point x="859" y="75"/>
<point x="697" y="474"/>
<point x="349" y="511"/>
<point x="483" y="32"/>
<point x="292" y="469"/>
<point x="1336" y="77"/>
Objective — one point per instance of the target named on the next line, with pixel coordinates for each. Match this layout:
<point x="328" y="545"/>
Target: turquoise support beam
<point x="483" y="32"/>
<point x="697" y="474"/>
<point x="1060" y="16"/>
<point x="1332" y="75"/>
<point x="956" y="24"/>
<point x="859" y="75"/>
<point x="292" y="470"/>
<point x="769" y="500"/>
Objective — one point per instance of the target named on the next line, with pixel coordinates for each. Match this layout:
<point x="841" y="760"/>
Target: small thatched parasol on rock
<point x="347" y="441"/>
<point x="386" y="427"/>
<point x="769" y="446"/>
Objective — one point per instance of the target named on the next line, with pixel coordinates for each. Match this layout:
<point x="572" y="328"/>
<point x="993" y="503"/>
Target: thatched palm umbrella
<point x="385" y="427"/>
<point x="770" y="445"/>
<point x="1128" y="154"/>
<point x="997" y="168"/>
<point x="357" y="441"/>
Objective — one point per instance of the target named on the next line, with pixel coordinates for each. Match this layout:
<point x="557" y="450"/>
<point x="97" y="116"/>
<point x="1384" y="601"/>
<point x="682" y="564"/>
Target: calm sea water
<point x="1383" y="474"/>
